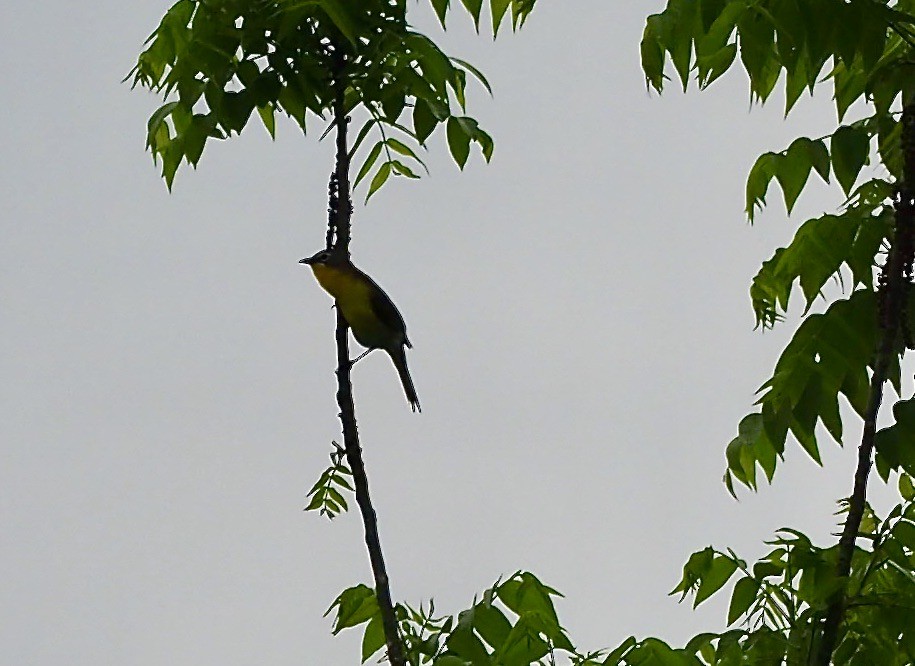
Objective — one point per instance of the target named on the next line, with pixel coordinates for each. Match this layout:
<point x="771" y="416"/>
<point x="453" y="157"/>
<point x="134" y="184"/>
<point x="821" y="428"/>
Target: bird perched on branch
<point x="371" y="314"/>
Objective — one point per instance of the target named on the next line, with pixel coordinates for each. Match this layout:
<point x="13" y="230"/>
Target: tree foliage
<point x="216" y="62"/>
<point x="864" y="49"/>
<point x="773" y="613"/>
<point x="514" y="623"/>
<point x="804" y="604"/>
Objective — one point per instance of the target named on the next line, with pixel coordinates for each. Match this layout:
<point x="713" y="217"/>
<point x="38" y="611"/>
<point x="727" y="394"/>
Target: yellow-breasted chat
<point x="371" y="314"/>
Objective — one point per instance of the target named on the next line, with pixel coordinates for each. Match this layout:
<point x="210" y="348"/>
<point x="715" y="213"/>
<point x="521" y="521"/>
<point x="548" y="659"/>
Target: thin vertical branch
<point x="895" y="278"/>
<point x="341" y="212"/>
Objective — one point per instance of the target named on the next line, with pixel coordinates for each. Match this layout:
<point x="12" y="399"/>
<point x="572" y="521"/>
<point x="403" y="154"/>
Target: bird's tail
<point x="399" y="356"/>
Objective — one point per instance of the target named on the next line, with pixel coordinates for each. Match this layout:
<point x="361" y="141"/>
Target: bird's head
<point x="324" y="258"/>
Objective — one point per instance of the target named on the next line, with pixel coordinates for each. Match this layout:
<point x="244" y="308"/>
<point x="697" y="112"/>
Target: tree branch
<point x="895" y="278"/>
<point x="339" y="227"/>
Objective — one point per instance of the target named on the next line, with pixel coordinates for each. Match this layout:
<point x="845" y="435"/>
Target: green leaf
<point x="337" y="13"/>
<point x="268" y="116"/>
<point x="473" y="70"/>
<point x="317" y="501"/>
<point x="673" y="30"/>
<point x="724" y="18"/>
<point x="458" y="141"/>
<point x="497" y="10"/>
<point x="247" y="72"/>
<point x="617" y="654"/>
<point x="474" y="7"/>
<point x="234" y="110"/>
<point x="712" y="66"/>
<point x="293" y="103"/>
<point x="792" y="171"/>
<point x="715" y="53"/>
<point x="182" y="117"/>
<point x="849" y="86"/>
<point x="872" y="32"/>
<point x="381" y="177"/>
<point x="758" y="52"/>
<point x="684" y="25"/>
<point x="171" y="159"/>
<point x="700" y="643"/>
<point x="695" y="567"/>
<point x="888" y="83"/>
<point x="904" y="533"/>
<point x="402" y="169"/>
<point x="742" y="598"/>
<point x="392" y="105"/>
<point x="714" y="578"/>
<point x="889" y="146"/>
<point x="195" y="137"/>
<point x="906" y="487"/>
<point x="369" y="162"/>
<point x="465" y="644"/>
<point x="363" y="133"/>
<point x="818" y="155"/>
<point x="521" y="9"/>
<point x="764" y="169"/>
<point x="524" y="645"/>
<point x="850" y="147"/>
<point x="337" y="497"/>
<point x="750" y="448"/>
<point x="486" y="144"/>
<point x="156" y="121"/>
<point x="373" y="638"/>
<point x="424" y="121"/>
<point x="404" y="149"/>
<point x="652" y="57"/>
<point x="892" y="444"/>
<point x="491" y="624"/>
<point x="355" y="605"/>
<point x="441" y="8"/>
<point x="524" y="593"/>
<point x="436" y="67"/>
<point x="472" y="130"/>
<point x="795" y="82"/>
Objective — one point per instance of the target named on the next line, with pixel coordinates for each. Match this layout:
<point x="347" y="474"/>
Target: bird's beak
<point x="306" y="260"/>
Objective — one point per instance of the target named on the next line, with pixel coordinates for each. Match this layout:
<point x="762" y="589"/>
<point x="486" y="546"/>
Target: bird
<point x="371" y="314"/>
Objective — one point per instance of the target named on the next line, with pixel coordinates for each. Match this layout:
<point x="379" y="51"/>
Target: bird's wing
<point x="387" y="312"/>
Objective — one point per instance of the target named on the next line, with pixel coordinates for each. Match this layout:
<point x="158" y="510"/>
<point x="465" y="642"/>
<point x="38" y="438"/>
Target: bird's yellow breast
<point x="342" y="285"/>
<point x="353" y="297"/>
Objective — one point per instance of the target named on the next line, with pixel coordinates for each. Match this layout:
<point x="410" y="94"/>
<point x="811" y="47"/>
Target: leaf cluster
<point x="824" y="247"/>
<point x="830" y="356"/>
<point x="216" y="62"/>
<point x="864" y="48"/>
<point x="514" y="623"/>
<point x="774" y="613"/>
<point x="777" y="604"/>
<point x="327" y="492"/>
<point x="498" y="10"/>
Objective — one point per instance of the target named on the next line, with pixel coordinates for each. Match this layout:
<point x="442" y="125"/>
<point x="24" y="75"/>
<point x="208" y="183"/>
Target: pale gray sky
<point x="583" y="351"/>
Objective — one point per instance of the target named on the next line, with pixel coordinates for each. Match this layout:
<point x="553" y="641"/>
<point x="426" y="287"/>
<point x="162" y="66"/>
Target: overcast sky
<point x="584" y="350"/>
